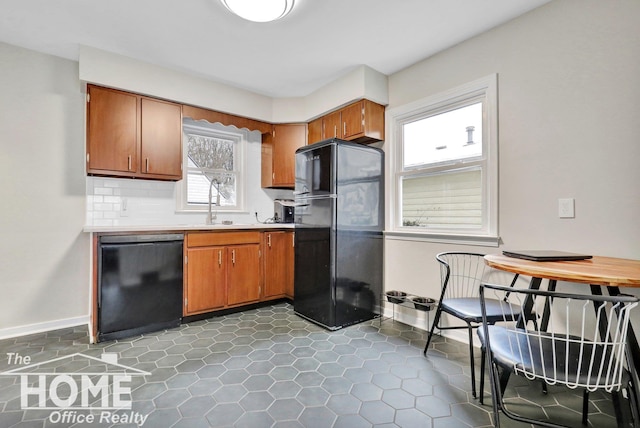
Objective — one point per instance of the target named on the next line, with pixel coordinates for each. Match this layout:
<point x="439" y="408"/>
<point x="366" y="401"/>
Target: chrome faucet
<point x="211" y="217"/>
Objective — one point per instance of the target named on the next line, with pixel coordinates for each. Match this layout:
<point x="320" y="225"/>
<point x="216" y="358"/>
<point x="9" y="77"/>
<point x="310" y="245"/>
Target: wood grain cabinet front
<point x="243" y="274"/>
<point x="161" y="138"/>
<point x="360" y="122"/>
<point x="232" y="269"/>
<point x="278" y="264"/>
<point x="278" y="154"/>
<point x="223" y="270"/>
<point x="112" y="132"/>
<point x="206" y="284"/>
<point x="129" y="135"/>
<point x="314" y="130"/>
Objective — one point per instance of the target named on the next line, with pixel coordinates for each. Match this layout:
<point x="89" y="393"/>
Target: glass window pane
<point x="451" y="200"/>
<point x="455" y="134"/>
<point x="210" y="153"/>
<point x="198" y="188"/>
<point x="210" y="163"/>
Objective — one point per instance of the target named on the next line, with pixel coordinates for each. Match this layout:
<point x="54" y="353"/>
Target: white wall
<point x="117" y="71"/>
<point x="569" y="108"/>
<point x="44" y="255"/>
<point x="152" y="202"/>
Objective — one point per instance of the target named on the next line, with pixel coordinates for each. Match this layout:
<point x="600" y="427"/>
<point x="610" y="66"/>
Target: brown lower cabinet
<point x="243" y="274"/>
<point x="229" y="269"/>
<point x="278" y="264"/>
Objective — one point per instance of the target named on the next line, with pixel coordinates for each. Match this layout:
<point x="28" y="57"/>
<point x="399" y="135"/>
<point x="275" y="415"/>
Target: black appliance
<point x="283" y="210"/>
<point x="139" y="284"/>
<point x="339" y="221"/>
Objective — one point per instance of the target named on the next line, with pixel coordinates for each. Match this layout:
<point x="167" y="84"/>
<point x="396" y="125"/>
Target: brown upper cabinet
<point x="278" y="154"/>
<point x="360" y="122"/>
<point x="129" y="135"/>
<point x="314" y="130"/>
<point x="332" y="125"/>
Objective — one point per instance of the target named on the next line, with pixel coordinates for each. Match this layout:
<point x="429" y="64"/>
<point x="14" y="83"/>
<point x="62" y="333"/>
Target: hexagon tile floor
<point x="269" y="368"/>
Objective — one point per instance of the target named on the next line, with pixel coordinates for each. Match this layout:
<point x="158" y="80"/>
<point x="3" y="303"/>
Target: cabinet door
<point x="266" y="159"/>
<point x="161" y="138"/>
<point x="286" y="140"/>
<point x="289" y="261"/>
<point x="112" y="131"/>
<point x="332" y="125"/>
<point x="243" y="277"/>
<point x="352" y="120"/>
<point x="314" y="133"/>
<point x="275" y="263"/>
<point x="206" y="279"/>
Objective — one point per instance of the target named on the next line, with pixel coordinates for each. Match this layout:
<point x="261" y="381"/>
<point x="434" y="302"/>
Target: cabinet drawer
<point x="206" y="239"/>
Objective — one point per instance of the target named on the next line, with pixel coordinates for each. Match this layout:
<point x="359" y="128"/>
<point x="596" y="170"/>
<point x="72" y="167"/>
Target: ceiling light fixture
<point x="259" y="10"/>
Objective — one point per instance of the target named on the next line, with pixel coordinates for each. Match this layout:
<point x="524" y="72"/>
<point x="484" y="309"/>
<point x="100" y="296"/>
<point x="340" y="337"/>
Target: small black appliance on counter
<point x="283" y="210"/>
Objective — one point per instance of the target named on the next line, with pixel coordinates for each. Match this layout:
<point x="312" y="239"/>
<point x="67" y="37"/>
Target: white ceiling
<point x="318" y="42"/>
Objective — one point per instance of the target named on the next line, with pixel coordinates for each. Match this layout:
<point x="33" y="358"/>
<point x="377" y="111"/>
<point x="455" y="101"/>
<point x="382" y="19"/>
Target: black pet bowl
<point x="423" y="303"/>
<point x="396" y="296"/>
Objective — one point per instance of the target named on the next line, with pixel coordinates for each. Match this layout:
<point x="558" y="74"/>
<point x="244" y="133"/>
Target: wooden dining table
<point x="598" y="272"/>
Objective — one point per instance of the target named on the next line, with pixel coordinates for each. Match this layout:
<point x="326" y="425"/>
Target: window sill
<point x="462" y="239"/>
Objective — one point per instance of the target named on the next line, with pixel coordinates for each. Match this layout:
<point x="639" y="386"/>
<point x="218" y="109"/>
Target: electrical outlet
<point x="566" y="208"/>
<point x="124" y="209"/>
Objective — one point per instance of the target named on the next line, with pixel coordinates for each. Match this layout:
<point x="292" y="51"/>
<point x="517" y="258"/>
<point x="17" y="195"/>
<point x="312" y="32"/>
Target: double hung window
<point x="213" y="160"/>
<point x="444" y="165"/>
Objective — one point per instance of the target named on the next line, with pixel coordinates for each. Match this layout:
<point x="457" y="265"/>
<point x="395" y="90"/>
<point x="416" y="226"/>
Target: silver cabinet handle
<point x="219" y="257"/>
<point x="233" y="257"/>
<point x="129" y="157"/>
<point x="269" y="240"/>
<point x="147" y="164"/>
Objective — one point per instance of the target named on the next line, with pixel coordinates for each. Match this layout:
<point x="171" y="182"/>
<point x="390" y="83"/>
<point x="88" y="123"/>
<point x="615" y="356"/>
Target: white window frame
<point x="484" y="89"/>
<point x="214" y="130"/>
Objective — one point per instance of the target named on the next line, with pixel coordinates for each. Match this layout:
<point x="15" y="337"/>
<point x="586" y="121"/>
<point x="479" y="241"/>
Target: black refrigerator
<point x="339" y="221"/>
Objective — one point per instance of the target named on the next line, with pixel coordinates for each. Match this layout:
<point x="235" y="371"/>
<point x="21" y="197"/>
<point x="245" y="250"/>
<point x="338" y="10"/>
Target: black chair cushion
<point x="469" y="310"/>
<point x="534" y="354"/>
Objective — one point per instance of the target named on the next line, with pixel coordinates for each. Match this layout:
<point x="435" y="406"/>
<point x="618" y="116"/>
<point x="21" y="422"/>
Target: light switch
<point x="566" y="208"/>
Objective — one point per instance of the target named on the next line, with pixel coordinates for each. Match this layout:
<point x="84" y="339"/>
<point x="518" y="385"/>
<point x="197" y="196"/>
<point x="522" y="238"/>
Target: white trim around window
<point x="239" y="137"/>
<point x="484" y="229"/>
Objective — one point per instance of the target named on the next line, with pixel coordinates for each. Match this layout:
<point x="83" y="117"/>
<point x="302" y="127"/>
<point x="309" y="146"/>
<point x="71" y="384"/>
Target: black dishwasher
<point x="139" y="284"/>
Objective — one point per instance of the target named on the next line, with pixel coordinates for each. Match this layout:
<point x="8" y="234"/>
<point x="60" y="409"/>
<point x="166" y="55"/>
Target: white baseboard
<point x="6" y="333"/>
<point x="423" y="321"/>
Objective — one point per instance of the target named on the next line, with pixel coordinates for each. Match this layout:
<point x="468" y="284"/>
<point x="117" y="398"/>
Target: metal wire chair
<point x="461" y="275"/>
<point x="577" y="340"/>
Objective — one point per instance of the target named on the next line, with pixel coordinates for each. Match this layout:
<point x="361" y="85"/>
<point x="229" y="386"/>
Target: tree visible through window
<point x="213" y="163"/>
<point x="210" y="159"/>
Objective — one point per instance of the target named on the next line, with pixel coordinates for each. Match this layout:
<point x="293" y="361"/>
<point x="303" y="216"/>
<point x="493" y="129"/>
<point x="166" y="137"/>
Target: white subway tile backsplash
<point x="124" y="201"/>
<point x="146" y="202"/>
<point x="103" y="191"/>
<point x="103" y="207"/>
<point x="112" y="199"/>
